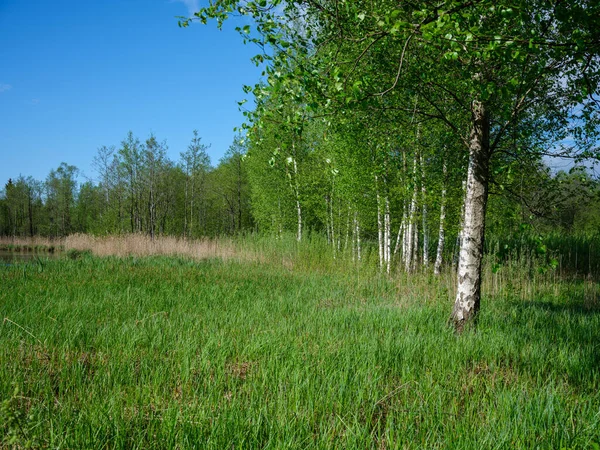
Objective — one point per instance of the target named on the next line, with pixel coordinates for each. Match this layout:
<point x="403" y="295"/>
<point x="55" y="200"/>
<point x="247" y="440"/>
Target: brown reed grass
<point x="142" y="245"/>
<point x="36" y="241"/>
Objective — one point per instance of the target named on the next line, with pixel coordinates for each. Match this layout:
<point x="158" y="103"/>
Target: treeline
<point x="138" y="189"/>
<point x="407" y="201"/>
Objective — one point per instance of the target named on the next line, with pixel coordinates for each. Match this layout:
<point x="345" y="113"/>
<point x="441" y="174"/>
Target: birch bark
<point x="387" y="235"/>
<point x="379" y="224"/>
<point x="468" y="296"/>
<point x="437" y="267"/>
<point x="424" y="214"/>
<point x="410" y="228"/>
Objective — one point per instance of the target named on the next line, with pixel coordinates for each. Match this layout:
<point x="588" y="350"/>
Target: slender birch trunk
<point x="410" y="229"/>
<point x="402" y="229"/>
<point x="399" y="236"/>
<point x="468" y="296"/>
<point x="387" y="235"/>
<point x="299" y="212"/>
<point x="339" y="232"/>
<point x="415" y="255"/>
<point x="333" y="243"/>
<point x="437" y="267"/>
<point x="297" y="193"/>
<point x="379" y="224"/>
<point x="424" y="214"/>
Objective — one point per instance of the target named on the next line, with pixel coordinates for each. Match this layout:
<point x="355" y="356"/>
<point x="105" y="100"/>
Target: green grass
<point x="172" y="353"/>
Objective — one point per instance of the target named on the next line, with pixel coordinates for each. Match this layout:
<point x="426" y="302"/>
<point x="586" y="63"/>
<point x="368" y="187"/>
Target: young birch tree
<point x="492" y="63"/>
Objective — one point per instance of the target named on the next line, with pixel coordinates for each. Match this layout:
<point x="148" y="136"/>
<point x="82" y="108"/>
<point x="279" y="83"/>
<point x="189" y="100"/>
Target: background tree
<point x="61" y="195"/>
<point x="195" y="164"/>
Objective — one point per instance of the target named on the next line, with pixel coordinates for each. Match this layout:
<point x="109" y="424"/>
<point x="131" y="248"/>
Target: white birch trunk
<point x="379" y="225"/>
<point x="399" y="237"/>
<point x="437" y="267"/>
<point x="468" y="295"/>
<point x="299" y="211"/>
<point x="332" y="221"/>
<point x="410" y="229"/>
<point x="298" y="207"/>
<point x="424" y="215"/>
<point x="355" y="238"/>
<point x="387" y="235"/>
<point x="415" y="255"/>
<point x="402" y="229"/>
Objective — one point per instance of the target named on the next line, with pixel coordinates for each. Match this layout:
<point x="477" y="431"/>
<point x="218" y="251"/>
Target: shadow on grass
<point x="555" y="338"/>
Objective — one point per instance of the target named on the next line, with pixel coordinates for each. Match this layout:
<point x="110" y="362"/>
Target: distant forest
<point x="322" y="189"/>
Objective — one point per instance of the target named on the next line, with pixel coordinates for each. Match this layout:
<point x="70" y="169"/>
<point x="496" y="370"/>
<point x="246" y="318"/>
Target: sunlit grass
<point x="167" y="352"/>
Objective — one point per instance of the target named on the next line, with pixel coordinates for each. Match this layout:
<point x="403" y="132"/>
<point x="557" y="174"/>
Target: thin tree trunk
<point x="387" y="234"/>
<point x="299" y="212"/>
<point x="402" y="229"/>
<point x="347" y="232"/>
<point x="399" y="236"/>
<point x="415" y="255"/>
<point x="410" y="229"/>
<point x="333" y="243"/>
<point x="424" y="214"/>
<point x="437" y="267"/>
<point x="379" y="225"/>
<point x="297" y="192"/>
<point x="468" y="296"/>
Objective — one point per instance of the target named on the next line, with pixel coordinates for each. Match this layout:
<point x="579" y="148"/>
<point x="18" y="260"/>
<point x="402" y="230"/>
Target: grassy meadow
<point x="257" y="348"/>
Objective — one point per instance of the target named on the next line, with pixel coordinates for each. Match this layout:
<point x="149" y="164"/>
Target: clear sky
<point x="79" y="74"/>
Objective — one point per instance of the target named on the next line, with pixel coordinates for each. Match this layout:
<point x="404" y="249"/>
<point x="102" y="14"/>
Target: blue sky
<point x="76" y="75"/>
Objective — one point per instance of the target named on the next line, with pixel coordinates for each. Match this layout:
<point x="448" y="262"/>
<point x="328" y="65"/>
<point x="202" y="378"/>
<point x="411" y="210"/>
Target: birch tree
<point x="494" y="63"/>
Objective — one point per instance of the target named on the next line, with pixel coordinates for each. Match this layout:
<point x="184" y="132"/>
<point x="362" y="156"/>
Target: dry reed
<point x="143" y="245"/>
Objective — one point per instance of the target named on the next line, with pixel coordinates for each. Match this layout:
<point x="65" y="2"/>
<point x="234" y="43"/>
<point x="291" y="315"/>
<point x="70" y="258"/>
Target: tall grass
<point x="564" y="255"/>
<point x="568" y="254"/>
<point x="291" y="350"/>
